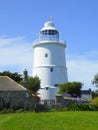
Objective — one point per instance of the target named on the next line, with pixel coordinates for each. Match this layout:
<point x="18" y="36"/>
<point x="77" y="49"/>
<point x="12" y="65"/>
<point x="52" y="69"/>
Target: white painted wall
<point x="56" y="60"/>
<point x="86" y="96"/>
<point x="55" y="51"/>
<point x="48" y="94"/>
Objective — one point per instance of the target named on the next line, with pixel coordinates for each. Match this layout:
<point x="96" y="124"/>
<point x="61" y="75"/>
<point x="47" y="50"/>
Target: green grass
<point x="67" y="120"/>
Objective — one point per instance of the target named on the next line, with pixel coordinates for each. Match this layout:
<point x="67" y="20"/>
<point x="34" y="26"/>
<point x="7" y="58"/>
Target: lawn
<point x="67" y="120"/>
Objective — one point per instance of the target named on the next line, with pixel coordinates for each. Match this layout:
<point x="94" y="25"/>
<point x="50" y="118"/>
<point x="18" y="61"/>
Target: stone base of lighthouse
<point x="48" y="93"/>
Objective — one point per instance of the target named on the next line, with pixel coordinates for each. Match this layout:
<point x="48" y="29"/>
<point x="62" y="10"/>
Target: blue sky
<point x="77" y="21"/>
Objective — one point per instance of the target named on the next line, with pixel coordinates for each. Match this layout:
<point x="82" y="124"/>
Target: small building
<point x="14" y="95"/>
<point x="86" y="94"/>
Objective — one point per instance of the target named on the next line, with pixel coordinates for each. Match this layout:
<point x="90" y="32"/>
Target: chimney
<point x="25" y="78"/>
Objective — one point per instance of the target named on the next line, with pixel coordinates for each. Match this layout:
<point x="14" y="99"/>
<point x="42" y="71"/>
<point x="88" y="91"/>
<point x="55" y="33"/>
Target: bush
<point x="81" y="107"/>
<point x="40" y="108"/>
<point x="95" y="102"/>
<point x="19" y="110"/>
<point x="5" y="110"/>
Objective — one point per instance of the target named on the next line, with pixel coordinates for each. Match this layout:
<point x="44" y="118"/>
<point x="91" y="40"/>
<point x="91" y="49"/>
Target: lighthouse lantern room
<point x="49" y="61"/>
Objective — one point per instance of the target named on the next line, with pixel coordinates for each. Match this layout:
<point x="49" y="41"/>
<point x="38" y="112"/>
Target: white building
<point x="49" y="61"/>
<point x="86" y="94"/>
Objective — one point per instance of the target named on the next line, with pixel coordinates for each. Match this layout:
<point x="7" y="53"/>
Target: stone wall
<point x="63" y="102"/>
<point x="17" y="100"/>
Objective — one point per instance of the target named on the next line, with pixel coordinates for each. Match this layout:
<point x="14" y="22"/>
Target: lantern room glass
<point x="49" y="35"/>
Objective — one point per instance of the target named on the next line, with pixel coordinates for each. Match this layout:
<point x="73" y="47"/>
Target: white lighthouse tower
<point x="49" y="61"/>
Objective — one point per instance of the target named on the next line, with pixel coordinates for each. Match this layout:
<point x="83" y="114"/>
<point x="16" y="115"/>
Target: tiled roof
<point x="7" y="84"/>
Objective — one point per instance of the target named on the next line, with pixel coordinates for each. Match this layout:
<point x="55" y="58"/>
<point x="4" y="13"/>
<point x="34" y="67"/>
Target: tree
<point x="95" y="102"/>
<point x="94" y="93"/>
<point x="95" y="80"/>
<point x="72" y="88"/>
<point x="33" y="84"/>
<point x="15" y="76"/>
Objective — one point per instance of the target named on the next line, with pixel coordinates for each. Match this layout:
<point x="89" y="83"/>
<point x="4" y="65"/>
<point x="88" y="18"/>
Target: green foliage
<point x="40" y="108"/>
<point x="81" y="107"/>
<point x="95" y="102"/>
<point x="33" y="84"/>
<point x="15" y="76"/>
<point x="5" y="110"/>
<point x="94" y="94"/>
<point x="95" y="80"/>
<point x="72" y="88"/>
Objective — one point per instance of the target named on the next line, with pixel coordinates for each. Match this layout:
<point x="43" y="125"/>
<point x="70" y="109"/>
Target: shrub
<point x="81" y="107"/>
<point x="19" y="110"/>
<point x="95" y="102"/>
<point x="5" y="110"/>
<point x="39" y="108"/>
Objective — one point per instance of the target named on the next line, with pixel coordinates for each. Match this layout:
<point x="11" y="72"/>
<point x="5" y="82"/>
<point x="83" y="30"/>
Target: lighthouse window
<point x="46" y="55"/>
<point x="49" y="32"/>
<point x="45" y="32"/>
<point x="56" y="85"/>
<point x="51" y="69"/>
<point x="46" y="88"/>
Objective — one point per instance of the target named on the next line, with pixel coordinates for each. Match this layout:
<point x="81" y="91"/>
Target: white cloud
<point x="15" y="52"/>
<point x="82" y="68"/>
<point x="4" y="41"/>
